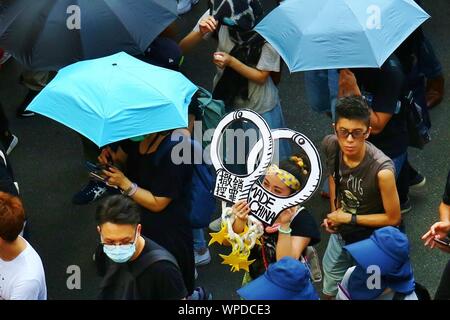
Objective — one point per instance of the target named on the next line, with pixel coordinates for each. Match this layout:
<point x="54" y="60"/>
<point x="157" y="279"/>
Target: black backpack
<point x="119" y="282"/>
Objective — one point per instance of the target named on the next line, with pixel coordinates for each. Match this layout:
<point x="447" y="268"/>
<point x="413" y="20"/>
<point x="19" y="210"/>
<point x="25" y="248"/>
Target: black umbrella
<point x="50" y="34"/>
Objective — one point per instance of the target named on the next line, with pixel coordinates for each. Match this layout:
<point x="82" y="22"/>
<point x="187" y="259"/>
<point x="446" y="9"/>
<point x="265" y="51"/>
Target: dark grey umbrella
<point x="50" y="34"/>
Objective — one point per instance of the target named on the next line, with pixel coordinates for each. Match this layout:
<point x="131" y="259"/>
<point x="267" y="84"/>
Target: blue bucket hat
<point x="287" y="279"/>
<point x="388" y="249"/>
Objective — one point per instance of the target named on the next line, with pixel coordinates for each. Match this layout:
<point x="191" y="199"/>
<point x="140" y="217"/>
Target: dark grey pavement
<point x="49" y="166"/>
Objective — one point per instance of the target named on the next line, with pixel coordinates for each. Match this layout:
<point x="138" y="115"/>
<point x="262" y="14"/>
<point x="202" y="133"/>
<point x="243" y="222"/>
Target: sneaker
<point x="216" y="225"/>
<point x="183" y="6"/>
<point x="405" y="207"/>
<point x="93" y="191"/>
<point x="25" y="114"/>
<point x="21" y="112"/>
<point x="9" y="142"/>
<point x="202" y="259"/>
<point x="417" y="182"/>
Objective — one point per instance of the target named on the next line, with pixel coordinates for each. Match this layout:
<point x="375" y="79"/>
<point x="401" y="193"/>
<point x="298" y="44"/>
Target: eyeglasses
<point x="119" y="244"/>
<point x="356" y="134"/>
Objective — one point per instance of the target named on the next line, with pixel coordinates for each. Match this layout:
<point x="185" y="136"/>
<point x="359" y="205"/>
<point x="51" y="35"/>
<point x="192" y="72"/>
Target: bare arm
<point x="207" y="25"/>
<point x="240" y="211"/>
<point x="146" y="199"/>
<point x="332" y="192"/>
<point x="291" y="246"/>
<point x="444" y="212"/>
<point x="379" y="120"/>
<point x="222" y="60"/>
<point x="142" y="196"/>
<point x="391" y="204"/>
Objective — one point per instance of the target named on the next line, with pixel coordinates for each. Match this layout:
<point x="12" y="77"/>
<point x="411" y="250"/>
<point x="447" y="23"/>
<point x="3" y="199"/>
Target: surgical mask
<point x="139" y="138"/>
<point x="120" y="253"/>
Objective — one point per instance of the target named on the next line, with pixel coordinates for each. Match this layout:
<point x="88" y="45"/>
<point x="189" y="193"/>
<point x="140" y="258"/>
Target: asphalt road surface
<point x="49" y="166"/>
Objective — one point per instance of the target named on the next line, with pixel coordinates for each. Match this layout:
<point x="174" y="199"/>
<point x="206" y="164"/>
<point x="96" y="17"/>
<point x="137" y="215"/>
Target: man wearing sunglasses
<point x="363" y="193"/>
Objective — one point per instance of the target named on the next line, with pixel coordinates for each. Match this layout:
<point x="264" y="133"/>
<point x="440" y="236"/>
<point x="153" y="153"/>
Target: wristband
<point x="288" y="231"/>
<point x="131" y="190"/>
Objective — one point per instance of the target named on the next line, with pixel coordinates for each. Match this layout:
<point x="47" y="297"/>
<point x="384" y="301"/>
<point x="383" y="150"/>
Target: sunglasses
<point x="356" y="134"/>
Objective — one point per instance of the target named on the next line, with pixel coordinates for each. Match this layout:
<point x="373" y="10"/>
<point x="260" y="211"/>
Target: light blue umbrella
<point x="116" y="97"/>
<point x="333" y="34"/>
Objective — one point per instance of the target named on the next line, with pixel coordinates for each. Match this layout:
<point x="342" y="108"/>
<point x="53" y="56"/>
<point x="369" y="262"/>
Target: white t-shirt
<point x="385" y="296"/>
<point x="261" y="98"/>
<point x="23" y="278"/>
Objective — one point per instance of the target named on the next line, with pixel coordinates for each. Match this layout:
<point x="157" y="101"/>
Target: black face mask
<point x="237" y="14"/>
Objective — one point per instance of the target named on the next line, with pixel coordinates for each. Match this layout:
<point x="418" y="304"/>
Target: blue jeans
<point x="199" y="239"/>
<point x="322" y="90"/>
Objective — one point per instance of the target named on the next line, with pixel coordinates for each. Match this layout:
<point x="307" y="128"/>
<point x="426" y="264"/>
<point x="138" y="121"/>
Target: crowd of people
<point x="147" y="246"/>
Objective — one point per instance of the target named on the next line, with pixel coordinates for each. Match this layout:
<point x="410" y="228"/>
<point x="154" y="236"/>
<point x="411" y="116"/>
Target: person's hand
<point x="208" y="25"/>
<point x="107" y="156"/>
<point x="116" y="178"/>
<point x="329" y="226"/>
<point x="285" y="217"/>
<point x="438" y="230"/>
<point x="222" y="59"/>
<point x="241" y="210"/>
<point x="339" y="217"/>
<point x="348" y="86"/>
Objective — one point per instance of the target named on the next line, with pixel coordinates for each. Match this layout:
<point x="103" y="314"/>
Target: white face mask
<point x="120" y="253"/>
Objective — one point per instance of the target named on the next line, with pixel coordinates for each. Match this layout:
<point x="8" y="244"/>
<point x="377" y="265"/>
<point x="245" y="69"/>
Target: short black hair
<point x="353" y="108"/>
<point x="118" y="209"/>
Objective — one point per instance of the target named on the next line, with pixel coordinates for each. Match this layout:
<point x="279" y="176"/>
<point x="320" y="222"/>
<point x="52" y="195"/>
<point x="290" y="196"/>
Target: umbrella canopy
<point x="115" y="98"/>
<point x="333" y="34"/>
<point x="50" y="34"/>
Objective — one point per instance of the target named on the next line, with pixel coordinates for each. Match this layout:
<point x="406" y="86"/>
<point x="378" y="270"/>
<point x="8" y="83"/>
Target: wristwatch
<point x="353" y="221"/>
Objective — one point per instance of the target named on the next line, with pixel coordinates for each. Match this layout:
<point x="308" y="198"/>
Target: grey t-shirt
<point x="261" y="98"/>
<point x="358" y="188"/>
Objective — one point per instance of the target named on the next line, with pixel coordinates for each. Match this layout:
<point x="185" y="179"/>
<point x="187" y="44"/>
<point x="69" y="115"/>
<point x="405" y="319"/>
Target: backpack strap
<point x="337" y="177"/>
<point x="156" y="254"/>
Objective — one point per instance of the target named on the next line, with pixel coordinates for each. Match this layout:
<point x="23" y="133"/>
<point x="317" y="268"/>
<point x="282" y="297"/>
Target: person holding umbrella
<point x="161" y="188"/>
<point x="135" y="106"/>
<point x="244" y="60"/>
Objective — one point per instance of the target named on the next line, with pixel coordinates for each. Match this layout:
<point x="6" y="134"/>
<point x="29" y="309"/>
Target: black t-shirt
<point x="160" y="281"/>
<point x="383" y="88"/>
<point x="303" y="225"/>
<point x="171" y="227"/>
<point x="446" y="196"/>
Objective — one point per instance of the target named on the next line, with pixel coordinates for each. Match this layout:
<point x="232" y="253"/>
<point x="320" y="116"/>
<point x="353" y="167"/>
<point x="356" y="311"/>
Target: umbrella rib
<point x="39" y="31"/>
<point x="123" y="26"/>
<point x="148" y="83"/>
<point x="365" y="33"/>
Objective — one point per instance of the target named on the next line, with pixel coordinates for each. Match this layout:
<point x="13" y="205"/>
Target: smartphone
<point x="444" y="242"/>
<point x="97" y="176"/>
<point x="95" y="167"/>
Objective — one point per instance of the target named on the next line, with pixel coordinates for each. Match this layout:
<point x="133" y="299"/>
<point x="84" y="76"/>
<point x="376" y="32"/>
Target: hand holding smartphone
<point x="444" y="242"/>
